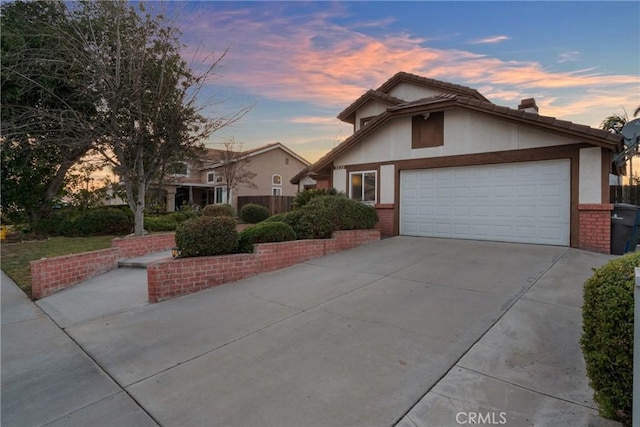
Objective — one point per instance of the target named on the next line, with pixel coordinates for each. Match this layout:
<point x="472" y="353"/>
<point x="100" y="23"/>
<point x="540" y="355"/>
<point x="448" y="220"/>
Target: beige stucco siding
<point x="267" y="164"/>
<point x="410" y="92"/>
<point x="465" y="132"/>
<point x="590" y="190"/>
<point x="370" y="109"/>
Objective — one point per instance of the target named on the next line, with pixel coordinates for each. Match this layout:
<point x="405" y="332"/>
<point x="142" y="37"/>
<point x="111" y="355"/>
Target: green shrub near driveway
<point x="160" y="223"/>
<point x="207" y="236"/>
<point x="607" y="339"/>
<point x="325" y="214"/>
<point x="265" y="232"/>
<point x="222" y="209"/>
<point x="252" y="213"/>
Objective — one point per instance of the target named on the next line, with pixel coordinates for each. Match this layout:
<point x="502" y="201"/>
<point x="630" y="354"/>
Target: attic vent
<point x="528" y="105"/>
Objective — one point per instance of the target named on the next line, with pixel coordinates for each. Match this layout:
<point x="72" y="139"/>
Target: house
<point x="439" y="159"/>
<point x="203" y="181"/>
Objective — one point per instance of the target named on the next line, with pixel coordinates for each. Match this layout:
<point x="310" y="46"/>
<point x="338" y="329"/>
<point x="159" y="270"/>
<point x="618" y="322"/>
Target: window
<point x="427" y="130"/>
<point x="276" y="179"/>
<point x="211" y="177"/>
<point x="362" y="186"/>
<point x="179" y="168"/>
<point x="219" y="195"/>
<point x="276" y="191"/>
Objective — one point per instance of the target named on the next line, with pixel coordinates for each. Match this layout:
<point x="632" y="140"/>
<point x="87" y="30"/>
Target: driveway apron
<point x="354" y="338"/>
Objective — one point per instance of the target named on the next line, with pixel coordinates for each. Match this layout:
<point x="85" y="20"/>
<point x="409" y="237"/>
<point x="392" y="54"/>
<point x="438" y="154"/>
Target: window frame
<point x="211" y="177"/>
<point x="375" y="186"/>
<point x="275" y="190"/>
<point x="273" y="178"/>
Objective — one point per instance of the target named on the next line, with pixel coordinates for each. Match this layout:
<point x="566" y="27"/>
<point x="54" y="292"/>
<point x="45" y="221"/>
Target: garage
<point x="526" y="202"/>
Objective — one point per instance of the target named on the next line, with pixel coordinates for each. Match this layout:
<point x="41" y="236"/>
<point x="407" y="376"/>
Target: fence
<point x="624" y="194"/>
<point x="276" y="204"/>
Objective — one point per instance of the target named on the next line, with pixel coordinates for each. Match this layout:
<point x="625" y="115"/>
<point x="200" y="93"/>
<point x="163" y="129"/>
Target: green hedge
<point x="252" y="213"/>
<point x="607" y="339"/>
<point x="219" y="210"/>
<point x="303" y="197"/>
<point x="207" y="236"/>
<point x="93" y="222"/>
<point x="325" y="214"/>
<point x="167" y="222"/>
<point x="265" y="232"/>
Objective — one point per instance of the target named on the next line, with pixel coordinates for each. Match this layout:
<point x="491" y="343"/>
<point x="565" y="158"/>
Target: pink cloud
<point x="311" y="59"/>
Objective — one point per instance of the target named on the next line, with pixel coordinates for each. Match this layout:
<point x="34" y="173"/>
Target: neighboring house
<point x="202" y="181"/>
<point x="440" y="160"/>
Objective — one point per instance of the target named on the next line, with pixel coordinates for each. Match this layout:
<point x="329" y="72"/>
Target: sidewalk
<point x="47" y="379"/>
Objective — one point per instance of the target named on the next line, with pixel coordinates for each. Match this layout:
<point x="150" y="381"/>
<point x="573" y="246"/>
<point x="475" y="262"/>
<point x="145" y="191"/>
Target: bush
<point x="265" y="232"/>
<point x="253" y="214"/>
<point x="103" y="221"/>
<point x="160" y="223"/>
<point x="59" y="223"/>
<point x="325" y="214"/>
<point x="303" y="197"/>
<point x="223" y="209"/>
<point x="281" y="217"/>
<point x="207" y="236"/>
<point x="607" y="339"/>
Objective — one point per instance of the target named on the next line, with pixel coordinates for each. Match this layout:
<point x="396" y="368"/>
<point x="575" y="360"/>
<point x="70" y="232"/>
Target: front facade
<point x="202" y="181"/>
<point x="440" y="160"/>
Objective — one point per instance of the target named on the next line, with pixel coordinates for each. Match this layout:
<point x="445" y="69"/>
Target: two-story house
<point x="203" y="181"/>
<point x="439" y="159"/>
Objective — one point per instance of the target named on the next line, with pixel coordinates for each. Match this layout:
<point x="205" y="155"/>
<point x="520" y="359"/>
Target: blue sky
<point x="300" y="63"/>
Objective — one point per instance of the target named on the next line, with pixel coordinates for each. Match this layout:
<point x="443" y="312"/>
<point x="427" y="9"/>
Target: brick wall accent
<point x="135" y="246"/>
<point x="51" y="275"/>
<point x="385" y="218"/>
<point x="595" y="227"/>
<point x="175" y="277"/>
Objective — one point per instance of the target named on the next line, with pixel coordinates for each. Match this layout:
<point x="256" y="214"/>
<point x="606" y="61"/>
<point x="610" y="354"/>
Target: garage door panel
<point x="522" y="202"/>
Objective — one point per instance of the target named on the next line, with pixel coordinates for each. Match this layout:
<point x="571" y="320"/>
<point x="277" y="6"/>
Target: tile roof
<point x="348" y="114"/>
<point x="437" y="84"/>
<point x="441" y="102"/>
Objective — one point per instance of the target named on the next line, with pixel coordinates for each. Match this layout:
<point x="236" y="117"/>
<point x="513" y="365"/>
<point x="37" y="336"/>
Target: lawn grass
<point x="15" y="257"/>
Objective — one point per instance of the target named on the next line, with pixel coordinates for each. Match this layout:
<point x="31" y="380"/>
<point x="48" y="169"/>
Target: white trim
<point x="276" y="190"/>
<point x="273" y="180"/>
<point x="375" y="188"/>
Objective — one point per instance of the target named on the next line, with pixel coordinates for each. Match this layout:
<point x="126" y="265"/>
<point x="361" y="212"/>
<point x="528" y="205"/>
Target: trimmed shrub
<point x="103" y="221"/>
<point x="265" y="232"/>
<point x="207" y="236"/>
<point x="607" y="339"/>
<point x="183" y="216"/>
<point x="59" y="223"/>
<point x="253" y="214"/>
<point x="325" y="214"/>
<point x="223" y="209"/>
<point x="160" y="223"/>
<point x="277" y="217"/>
<point x="303" y="197"/>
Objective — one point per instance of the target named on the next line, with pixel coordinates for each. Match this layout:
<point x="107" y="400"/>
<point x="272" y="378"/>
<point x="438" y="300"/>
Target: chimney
<point x="528" y="105"/>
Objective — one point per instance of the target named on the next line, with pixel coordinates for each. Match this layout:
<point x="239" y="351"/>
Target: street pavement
<point x="407" y="331"/>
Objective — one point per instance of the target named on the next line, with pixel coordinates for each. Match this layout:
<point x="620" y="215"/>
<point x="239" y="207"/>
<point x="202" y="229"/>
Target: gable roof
<point x="215" y="153"/>
<point x="443" y="102"/>
<point x="381" y="94"/>
<point x="439" y="85"/>
<point x="348" y="115"/>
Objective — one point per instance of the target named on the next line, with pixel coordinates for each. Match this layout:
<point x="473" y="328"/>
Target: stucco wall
<point x="387" y="183"/>
<point x="265" y="165"/>
<point x="465" y="132"/>
<point x="370" y="109"/>
<point x="590" y="189"/>
<point x="410" y="92"/>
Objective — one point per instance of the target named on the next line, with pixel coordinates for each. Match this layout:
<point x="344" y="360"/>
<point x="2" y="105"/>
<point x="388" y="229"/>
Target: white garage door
<point x="515" y="202"/>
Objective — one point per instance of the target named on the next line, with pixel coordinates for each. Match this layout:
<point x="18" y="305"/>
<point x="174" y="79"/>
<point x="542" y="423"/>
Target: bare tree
<point x="232" y="164"/>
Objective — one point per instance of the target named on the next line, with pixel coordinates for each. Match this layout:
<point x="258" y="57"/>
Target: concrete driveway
<point x="406" y="330"/>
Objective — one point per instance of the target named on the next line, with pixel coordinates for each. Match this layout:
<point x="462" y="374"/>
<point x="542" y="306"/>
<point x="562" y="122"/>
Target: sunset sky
<point x="301" y="63"/>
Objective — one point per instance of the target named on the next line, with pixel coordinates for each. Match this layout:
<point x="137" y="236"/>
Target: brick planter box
<point x="50" y="275"/>
<point x="174" y="277"/>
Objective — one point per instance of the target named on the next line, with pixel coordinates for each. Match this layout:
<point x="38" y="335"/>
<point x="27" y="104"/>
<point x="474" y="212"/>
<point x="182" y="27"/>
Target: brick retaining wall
<point x="50" y="275"/>
<point x="171" y="278"/>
